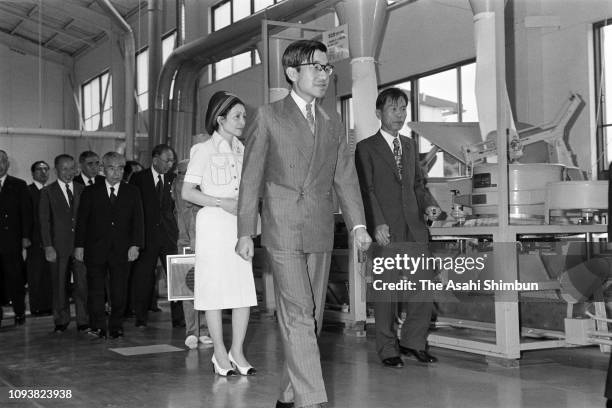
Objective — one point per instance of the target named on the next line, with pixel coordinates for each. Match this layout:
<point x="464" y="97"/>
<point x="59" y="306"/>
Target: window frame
<point x="101" y="101"/>
<point x="599" y="99"/>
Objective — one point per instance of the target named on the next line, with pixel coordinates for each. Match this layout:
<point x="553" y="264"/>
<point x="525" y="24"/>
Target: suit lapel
<point x="58" y="195"/>
<point x="293" y="115"/>
<point x="383" y="150"/>
<point x="78" y="190"/>
<point x="320" y="150"/>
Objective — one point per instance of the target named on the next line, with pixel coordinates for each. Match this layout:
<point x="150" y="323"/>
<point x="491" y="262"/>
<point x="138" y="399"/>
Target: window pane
<point x="262" y="4"/>
<point x="223" y="68"/>
<point x="142" y="72"/>
<point x="143" y="101"/>
<point x="95" y="96"/>
<point x="241" y="61"/>
<point x="257" y="59"/>
<point x="168" y="46"/>
<point x="438" y="97"/>
<point x="222" y="16"/>
<point x="87" y="101"/>
<point x="242" y="9"/>
<point x="468" y="93"/>
<point x="607" y="68"/>
<point x="109" y="96"/>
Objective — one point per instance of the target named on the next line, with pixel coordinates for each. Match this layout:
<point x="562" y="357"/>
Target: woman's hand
<point x="230" y="205"/>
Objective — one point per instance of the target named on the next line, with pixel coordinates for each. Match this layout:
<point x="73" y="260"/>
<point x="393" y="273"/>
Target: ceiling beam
<point x="28" y="47"/>
<point x="46" y="25"/>
<point x="75" y="11"/>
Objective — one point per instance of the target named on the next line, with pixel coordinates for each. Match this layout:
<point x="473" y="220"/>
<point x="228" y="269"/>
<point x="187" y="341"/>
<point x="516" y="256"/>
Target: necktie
<point x="310" y="117"/>
<point x="398" y="156"/>
<point x="113" y="197"/>
<point x="70" y="196"/>
<point x="90" y="182"/>
<point x="159" y="187"/>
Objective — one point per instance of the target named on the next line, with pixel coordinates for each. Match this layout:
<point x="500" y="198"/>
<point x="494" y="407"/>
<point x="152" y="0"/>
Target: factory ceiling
<point x="58" y="29"/>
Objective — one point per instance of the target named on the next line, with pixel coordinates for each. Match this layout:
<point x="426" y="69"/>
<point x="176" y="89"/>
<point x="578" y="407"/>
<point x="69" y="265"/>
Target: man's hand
<point x="25" y="243"/>
<point x="382" y="235"/>
<point x="433" y="212"/>
<point x="245" y="248"/>
<point x="132" y="253"/>
<point x="362" y="239"/>
<point x="230" y="205"/>
<point x="79" y="254"/>
<point x="50" y="254"/>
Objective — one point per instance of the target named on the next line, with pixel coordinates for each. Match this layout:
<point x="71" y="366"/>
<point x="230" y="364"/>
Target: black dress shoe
<point x="60" y="328"/>
<point x="281" y="404"/>
<point x="19" y="320"/>
<point x="394" y="362"/>
<point x="155" y="309"/>
<point x="422" y="355"/>
<point x="97" y="333"/>
<point x="115" y="334"/>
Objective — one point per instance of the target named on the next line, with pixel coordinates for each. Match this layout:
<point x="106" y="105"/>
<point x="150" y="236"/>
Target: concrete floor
<point x="31" y="357"/>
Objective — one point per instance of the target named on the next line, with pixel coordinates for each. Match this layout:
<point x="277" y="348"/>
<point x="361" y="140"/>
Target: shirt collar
<point x="155" y="174"/>
<point x="38" y="185"/>
<point x="223" y="146"/>
<point x="108" y="187"/>
<point x="301" y="103"/>
<point x="389" y="138"/>
<point x="86" y="179"/>
<point x="63" y="184"/>
<point x="3" y="179"/>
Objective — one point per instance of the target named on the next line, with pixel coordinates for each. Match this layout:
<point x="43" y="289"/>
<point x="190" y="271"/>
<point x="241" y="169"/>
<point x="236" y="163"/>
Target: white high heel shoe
<point x="221" y="371"/>
<point x="248" y="370"/>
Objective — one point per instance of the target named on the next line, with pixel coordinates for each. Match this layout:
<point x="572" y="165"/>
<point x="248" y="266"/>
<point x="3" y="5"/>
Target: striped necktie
<point x="398" y="156"/>
<point x="310" y="117"/>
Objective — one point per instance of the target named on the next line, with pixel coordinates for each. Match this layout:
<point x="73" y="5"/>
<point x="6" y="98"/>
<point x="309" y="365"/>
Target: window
<point x="603" y="94"/>
<point x="444" y="96"/>
<point x="168" y="45"/>
<point x="142" y="79"/>
<point x="224" y="14"/>
<point x="97" y="102"/>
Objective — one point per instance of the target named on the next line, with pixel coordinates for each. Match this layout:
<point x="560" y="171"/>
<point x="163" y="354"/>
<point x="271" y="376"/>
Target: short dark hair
<point x="61" y="157"/>
<point x="392" y="94"/>
<point x="112" y="156"/>
<point x="36" y="163"/>
<point x="299" y="52"/>
<point x="159" y="149"/>
<point x="86" y="155"/>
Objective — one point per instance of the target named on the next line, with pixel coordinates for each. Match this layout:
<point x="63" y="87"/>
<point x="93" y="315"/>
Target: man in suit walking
<point x="109" y="233"/>
<point x="15" y="235"/>
<point x="89" y="162"/>
<point x="296" y="155"/>
<point x="161" y="231"/>
<point x="38" y="270"/>
<point x="59" y="204"/>
<point x="395" y="198"/>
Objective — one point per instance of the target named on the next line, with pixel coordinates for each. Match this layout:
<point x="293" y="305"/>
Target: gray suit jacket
<point x="295" y="178"/>
<point x="57" y="219"/>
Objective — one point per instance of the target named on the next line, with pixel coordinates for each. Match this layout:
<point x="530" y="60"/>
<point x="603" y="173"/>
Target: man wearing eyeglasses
<point x="296" y="156"/>
<point x="38" y="270"/>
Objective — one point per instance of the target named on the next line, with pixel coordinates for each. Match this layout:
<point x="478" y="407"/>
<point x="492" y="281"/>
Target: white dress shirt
<point x="155" y="174"/>
<point x="39" y="185"/>
<point x="389" y="139"/>
<point x="108" y="187"/>
<point x="86" y="179"/>
<point x="63" y="188"/>
<point x="301" y="103"/>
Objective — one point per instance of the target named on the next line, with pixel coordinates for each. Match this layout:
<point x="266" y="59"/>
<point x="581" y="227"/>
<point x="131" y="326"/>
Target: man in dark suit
<point x="296" y="155"/>
<point x="89" y="162"/>
<point x="15" y="235"/>
<point x="109" y="233"/>
<point x="161" y="231"/>
<point x="38" y="271"/>
<point x="59" y="203"/>
<point x="395" y="198"/>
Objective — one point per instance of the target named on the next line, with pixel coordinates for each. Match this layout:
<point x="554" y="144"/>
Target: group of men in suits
<point x="90" y="229"/>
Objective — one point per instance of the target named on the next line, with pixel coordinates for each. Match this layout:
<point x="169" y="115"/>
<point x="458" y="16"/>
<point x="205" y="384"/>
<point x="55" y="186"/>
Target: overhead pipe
<point x="187" y="61"/>
<point x="155" y="55"/>
<point x="129" y="69"/>
<point x="366" y="22"/>
<point x="12" y="131"/>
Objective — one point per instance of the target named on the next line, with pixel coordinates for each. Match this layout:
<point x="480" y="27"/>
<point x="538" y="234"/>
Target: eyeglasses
<point x="319" y="67"/>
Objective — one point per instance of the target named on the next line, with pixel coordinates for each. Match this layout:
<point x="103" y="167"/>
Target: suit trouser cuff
<point x="318" y="397"/>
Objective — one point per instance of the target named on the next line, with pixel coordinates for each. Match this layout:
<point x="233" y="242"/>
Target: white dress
<point x="223" y="280"/>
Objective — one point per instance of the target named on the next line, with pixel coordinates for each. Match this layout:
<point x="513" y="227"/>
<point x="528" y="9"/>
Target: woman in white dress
<point x="223" y="280"/>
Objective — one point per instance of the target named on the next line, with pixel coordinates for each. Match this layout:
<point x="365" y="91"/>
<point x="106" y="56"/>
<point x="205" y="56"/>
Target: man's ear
<point x="292" y="73"/>
<point x="378" y="114"/>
